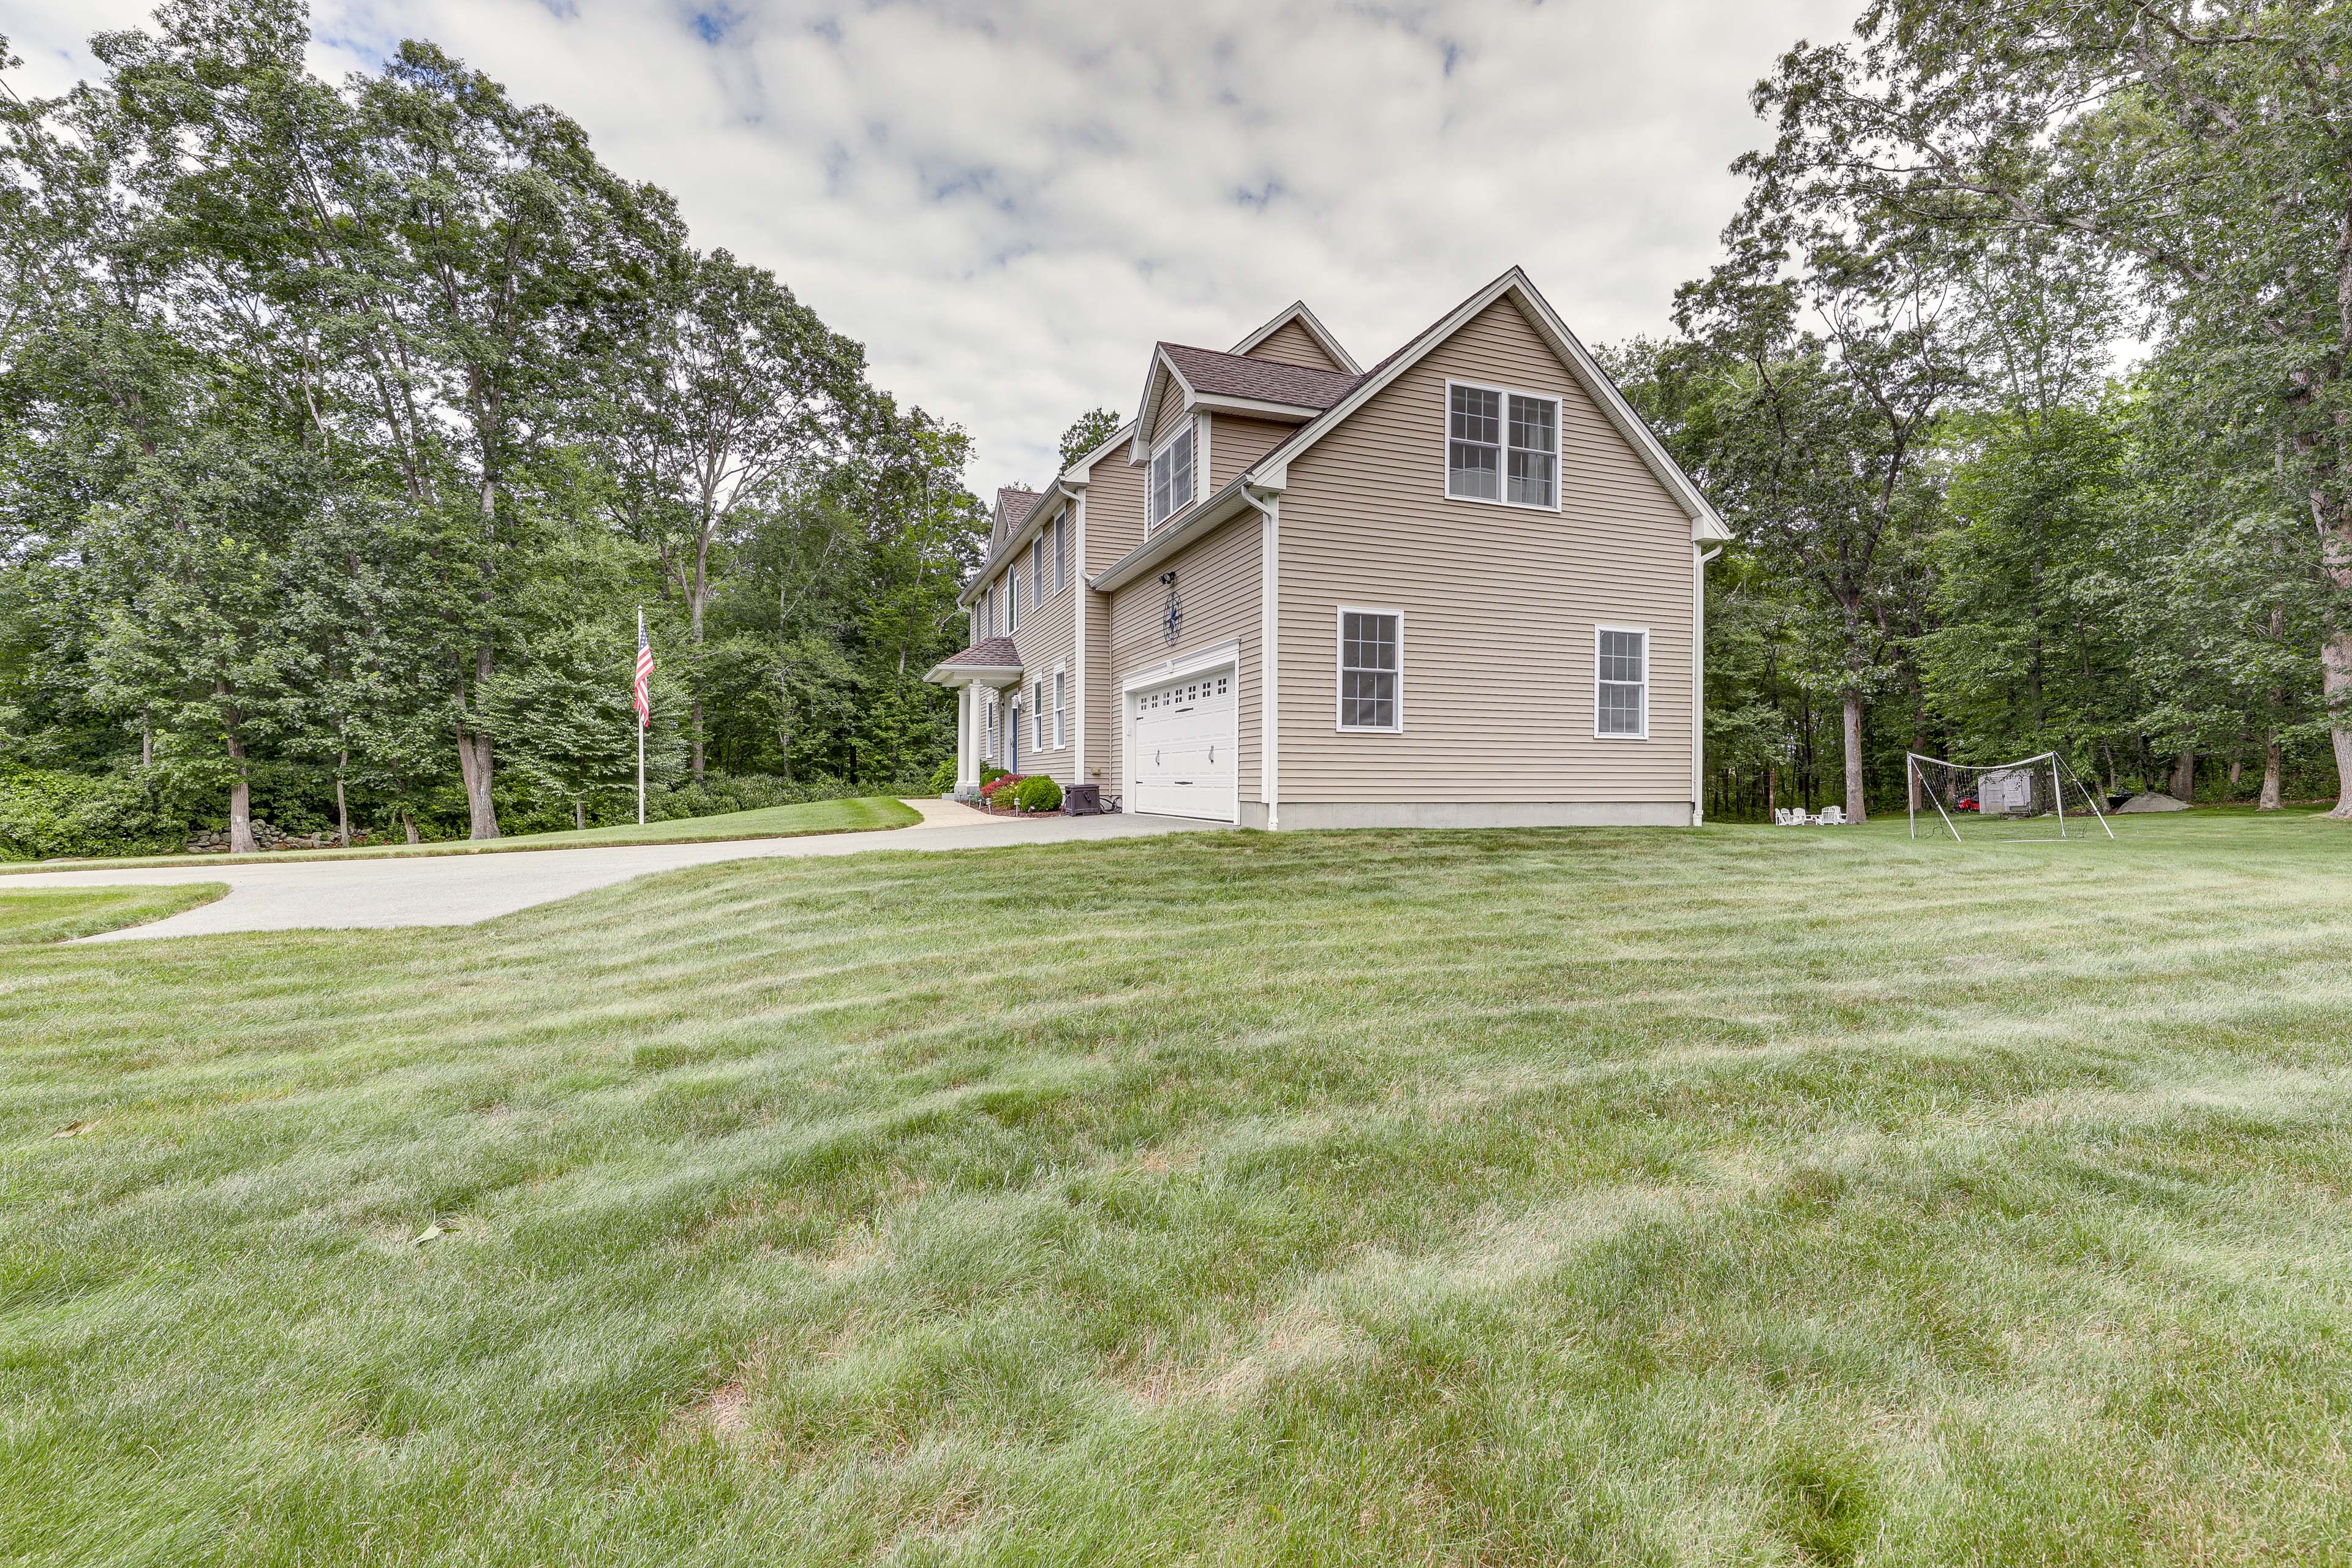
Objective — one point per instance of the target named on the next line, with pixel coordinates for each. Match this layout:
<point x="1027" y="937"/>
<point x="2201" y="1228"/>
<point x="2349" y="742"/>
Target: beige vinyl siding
<point x="1235" y="443"/>
<point x="1294" y="344"/>
<point x="1046" y="639"/>
<point x="1499" y="604"/>
<point x="1172" y="407"/>
<point x="1114" y="526"/>
<point x="1217" y="577"/>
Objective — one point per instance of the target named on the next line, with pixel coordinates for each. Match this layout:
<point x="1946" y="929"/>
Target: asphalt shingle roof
<point x="1267" y="380"/>
<point x="988" y="653"/>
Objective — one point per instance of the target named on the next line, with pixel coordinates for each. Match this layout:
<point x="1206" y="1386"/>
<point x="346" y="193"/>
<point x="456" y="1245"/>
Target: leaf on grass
<point x="427" y="1234"/>
<point x="75" y="1129"/>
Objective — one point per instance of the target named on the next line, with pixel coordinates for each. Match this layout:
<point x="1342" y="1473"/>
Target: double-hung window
<point x="1502" y="446"/>
<point x="987" y="613"/>
<point x="1037" y="570"/>
<point x="1621" y="689"/>
<point x="1061" y="709"/>
<point x="1062" y="551"/>
<point x="1012" y="603"/>
<point x="1372" y="664"/>
<point x="1037" y="714"/>
<point x="1172" y="477"/>
<point x="989" y="749"/>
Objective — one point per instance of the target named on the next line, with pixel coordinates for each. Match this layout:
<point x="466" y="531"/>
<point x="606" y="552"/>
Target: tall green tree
<point x="2204" y="145"/>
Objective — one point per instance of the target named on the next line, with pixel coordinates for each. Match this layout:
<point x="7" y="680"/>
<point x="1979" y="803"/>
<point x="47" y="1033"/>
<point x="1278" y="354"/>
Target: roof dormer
<point x="1295" y="336"/>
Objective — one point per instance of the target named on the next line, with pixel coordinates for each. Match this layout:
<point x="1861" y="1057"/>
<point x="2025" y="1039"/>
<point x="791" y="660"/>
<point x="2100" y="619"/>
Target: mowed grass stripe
<point x="1742" y="1195"/>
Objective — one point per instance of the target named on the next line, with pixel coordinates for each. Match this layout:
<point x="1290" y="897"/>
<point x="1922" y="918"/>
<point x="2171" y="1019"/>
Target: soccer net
<point x="2039" y="797"/>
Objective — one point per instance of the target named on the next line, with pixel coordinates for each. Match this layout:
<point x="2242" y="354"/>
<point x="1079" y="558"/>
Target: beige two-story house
<point x="1461" y="588"/>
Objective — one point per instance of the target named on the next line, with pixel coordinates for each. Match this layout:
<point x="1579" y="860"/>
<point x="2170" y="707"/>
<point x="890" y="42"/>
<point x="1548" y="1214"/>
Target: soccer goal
<point x="2036" y="798"/>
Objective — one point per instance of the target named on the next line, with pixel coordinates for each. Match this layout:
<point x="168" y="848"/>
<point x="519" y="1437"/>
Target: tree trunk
<point x="474" y="765"/>
<point x="240" y="803"/>
<point x="694" y="711"/>
<point x="475" y="758"/>
<point x="579" y="813"/>
<point x="342" y="812"/>
<point x="2184" y="774"/>
<point x="408" y="825"/>
<point x="2272" y="783"/>
<point x="1855" y="811"/>
<point x="2335" y="681"/>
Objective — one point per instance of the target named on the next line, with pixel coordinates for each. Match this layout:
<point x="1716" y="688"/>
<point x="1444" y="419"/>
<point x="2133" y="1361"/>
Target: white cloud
<point x="1007" y="202"/>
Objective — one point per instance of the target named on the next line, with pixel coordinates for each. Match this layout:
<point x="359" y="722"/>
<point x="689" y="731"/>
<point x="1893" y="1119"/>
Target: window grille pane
<point x="1621" y="656"/>
<point x="1470" y="470"/>
<point x="1620" y="709"/>
<point x="1368" y="699"/>
<point x="1061" y="552"/>
<point x="1531" y="425"/>
<point x="1368" y="670"/>
<point x="1531" y="478"/>
<point x="1476" y="415"/>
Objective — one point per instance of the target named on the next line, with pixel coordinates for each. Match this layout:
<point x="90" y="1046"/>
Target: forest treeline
<point x="345" y="429"/>
<point x="1968" y="524"/>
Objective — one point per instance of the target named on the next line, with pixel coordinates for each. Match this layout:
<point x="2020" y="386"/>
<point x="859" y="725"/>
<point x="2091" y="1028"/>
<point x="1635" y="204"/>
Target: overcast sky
<point x="1008" y="203"/>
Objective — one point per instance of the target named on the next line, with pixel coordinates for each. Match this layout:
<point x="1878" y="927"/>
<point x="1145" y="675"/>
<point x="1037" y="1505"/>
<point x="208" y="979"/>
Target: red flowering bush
<point x="1005" y="781"/>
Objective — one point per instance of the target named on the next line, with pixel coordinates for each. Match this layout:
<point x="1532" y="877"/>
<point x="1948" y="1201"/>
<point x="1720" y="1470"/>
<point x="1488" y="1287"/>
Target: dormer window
<point x="1172" y="477"/>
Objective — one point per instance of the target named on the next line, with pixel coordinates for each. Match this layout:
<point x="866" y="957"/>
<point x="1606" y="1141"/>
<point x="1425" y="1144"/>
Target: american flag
<point x="645" y="675"/>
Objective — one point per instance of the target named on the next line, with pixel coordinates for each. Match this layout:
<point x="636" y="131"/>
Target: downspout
<point x="1269" y="655"/>
<point x="1077" y="498"/>
<point x="1698" y="681"/>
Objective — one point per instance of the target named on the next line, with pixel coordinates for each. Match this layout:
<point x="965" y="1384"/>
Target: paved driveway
<point x="459" y="889"/>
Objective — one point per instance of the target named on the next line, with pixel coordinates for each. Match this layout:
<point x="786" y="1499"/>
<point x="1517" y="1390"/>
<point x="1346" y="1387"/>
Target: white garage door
<point x="1184" y="747"/>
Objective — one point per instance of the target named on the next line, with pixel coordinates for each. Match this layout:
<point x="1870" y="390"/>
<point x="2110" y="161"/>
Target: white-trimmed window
<point x="1061" y="709"/>
<point x="1012" y="603"/>
<point x="987" y="613"/>
<point x="1037" y="570"/>
<point x="1621" y="682"/>
<point x="1371" y="669"/>
<point x="988" y="748"/>
<point x="1502" y="446"/>
<point x="1172" y="477"/>
<point x="1037" y="714"/>
<point x="1061" y="550"/>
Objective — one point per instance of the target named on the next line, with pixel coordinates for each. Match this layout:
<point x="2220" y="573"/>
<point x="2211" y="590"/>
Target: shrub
<point x="943" y="777"/>
<point x="45" y="812"/>
<point x="990" y="788"/>
<point x="989" y="775"/>
<point x="1039" y="793"/>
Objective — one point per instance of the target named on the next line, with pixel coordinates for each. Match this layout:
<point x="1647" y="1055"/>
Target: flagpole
<point x="641" y="730"/>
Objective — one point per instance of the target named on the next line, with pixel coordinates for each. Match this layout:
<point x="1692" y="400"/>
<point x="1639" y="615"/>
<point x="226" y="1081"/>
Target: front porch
<point x="991" y="666"/>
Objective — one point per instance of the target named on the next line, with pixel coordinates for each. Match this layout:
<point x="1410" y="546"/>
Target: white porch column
<point x="967" y="743"/>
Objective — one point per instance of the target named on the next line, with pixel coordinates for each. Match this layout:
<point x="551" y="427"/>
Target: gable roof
<point x="1271" y="471"/>
<point x="1206" y="371"/>
<point x="1311" y="325"/>
<point x="1706" y="524"/>
<point x="1027" y="504"/>
<point x="1013" y="505"/>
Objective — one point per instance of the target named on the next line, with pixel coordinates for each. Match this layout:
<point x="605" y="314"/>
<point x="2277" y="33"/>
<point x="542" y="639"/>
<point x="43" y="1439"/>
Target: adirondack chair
<point x="1831" y="816"/>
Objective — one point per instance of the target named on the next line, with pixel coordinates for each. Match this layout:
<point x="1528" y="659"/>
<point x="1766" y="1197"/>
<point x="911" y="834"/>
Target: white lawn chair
<point x="1788" y="816"/>
<point x="1830" y="817"/>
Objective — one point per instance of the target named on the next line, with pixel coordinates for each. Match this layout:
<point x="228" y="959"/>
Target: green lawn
<point x="769" y="822"/>
<point x="29" y="916"/>
<point x="1748" y="1196"/>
